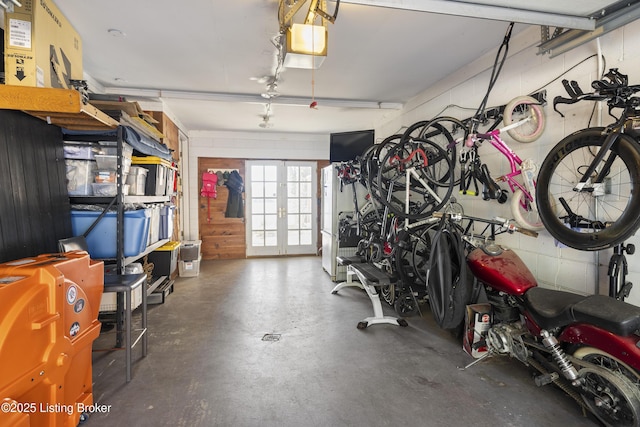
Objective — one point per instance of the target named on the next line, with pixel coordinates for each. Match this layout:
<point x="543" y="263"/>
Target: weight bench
<point x="369" y="278"/>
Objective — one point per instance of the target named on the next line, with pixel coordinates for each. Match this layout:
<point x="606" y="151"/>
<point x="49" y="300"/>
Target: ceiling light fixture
<point x="304" y="45"/>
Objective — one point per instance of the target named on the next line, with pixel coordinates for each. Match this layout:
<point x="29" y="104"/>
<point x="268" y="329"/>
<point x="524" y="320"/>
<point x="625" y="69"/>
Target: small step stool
<point x="369" y="278"/>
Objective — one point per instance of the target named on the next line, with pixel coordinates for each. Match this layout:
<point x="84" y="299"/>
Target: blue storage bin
<point x="102" y="239"/>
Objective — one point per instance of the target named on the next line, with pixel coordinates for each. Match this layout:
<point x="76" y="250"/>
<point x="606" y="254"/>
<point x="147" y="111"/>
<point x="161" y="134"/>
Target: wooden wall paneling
<point x="222" y="238"/>
<point x="34" y="204"/>
<point x="172" y="141"/>
<point x="170" y="132"/>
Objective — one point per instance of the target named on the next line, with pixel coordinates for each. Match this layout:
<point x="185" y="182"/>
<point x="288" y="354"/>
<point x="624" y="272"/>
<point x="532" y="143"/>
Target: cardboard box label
<point x="19" y="33"/>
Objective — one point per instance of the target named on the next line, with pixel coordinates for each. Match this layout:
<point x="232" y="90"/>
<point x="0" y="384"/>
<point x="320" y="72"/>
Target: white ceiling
<point x="203" y="57"/>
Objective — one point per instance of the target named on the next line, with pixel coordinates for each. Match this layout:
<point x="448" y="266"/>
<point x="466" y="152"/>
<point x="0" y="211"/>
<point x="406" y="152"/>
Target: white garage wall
<point x="526" y="72"/>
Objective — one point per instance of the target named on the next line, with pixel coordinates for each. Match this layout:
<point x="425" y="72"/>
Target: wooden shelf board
<point x="60" y="107"/>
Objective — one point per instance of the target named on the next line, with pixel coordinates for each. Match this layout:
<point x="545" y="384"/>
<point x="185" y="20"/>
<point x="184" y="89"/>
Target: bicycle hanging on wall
<point x="588" y="193"/>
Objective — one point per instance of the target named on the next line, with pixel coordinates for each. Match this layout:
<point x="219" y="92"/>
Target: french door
<point x="281" y="207"/>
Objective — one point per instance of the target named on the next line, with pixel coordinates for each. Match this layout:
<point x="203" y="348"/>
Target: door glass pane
<point x="257" y="238"/>
<point x="257" y="206"/>
<point x="305" y="237"/>
<point x="270" y="189"/>
<point x="305" y="222"/>
<point x="257" y="173"/>
<point x="293" y="189"/>
<point x="305" y="205"/>
<point x="305" y="189"/>
<point x="293" y="173"/>
<point x="293" y="237"/>
<point x="271" y="238"/>
<point x="305" y="174"/>
<point x="257" y="189"/>
<point x="270" y="222"/>
<point x="293" y="222"/>
<point x="270" y="206"/>
<point x="257" y="222"/>
<point x="293" y="206"/>
<point x="271" y="173"/>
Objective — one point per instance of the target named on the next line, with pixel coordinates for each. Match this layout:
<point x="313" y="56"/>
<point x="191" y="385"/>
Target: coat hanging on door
<point x="209" y="182"/>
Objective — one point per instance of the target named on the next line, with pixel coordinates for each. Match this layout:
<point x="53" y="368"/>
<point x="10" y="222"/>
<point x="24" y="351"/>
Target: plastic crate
<point x="189" y="268"/>
<point x="190" y="250"/>
<point x="80" y="177"/>
<point x="137" y="180"/>
<point x="102" y="239"/>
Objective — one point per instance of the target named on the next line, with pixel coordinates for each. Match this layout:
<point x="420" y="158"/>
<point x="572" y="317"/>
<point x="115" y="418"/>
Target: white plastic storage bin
<point x="154" y="224"/>
<point x="110" y="303"/>
<point x="137" y="180"/>
<point x="110" y="148"/>
<point x="111" y="163"/>
<point x="189" y="268"/>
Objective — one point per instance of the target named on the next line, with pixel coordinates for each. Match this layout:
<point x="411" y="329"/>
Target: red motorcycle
<point x="589" y="346"/>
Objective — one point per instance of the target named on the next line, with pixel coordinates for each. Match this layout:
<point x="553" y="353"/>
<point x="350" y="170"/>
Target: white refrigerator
<point x="336" y="204"/>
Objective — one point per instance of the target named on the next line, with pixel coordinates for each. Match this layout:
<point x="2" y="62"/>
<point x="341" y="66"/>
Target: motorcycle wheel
<point x="607" y="361"/>
<point x="611" y="397"/>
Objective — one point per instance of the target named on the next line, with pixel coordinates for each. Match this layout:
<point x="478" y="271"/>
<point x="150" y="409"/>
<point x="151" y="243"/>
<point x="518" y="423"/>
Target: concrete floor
<point x="208" y="364"/>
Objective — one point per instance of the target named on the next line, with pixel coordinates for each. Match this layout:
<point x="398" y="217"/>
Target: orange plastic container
<point x="49" y="320"/>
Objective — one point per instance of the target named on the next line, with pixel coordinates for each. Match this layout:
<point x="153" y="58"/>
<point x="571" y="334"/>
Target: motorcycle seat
<point x="551" y="308"/>
<point x="608" y="313"/>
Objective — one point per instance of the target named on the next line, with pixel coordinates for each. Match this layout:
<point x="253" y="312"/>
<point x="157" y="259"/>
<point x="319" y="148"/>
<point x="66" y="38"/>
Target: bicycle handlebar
<point x="614" y="88"/>
<point x="504" y="224"/>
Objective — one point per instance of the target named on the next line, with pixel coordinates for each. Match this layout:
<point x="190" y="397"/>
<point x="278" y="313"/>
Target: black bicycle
<point x="588" y="188"/>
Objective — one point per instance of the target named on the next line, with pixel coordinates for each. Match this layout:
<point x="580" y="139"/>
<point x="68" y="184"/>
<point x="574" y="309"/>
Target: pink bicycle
<point x="524" y="121"/>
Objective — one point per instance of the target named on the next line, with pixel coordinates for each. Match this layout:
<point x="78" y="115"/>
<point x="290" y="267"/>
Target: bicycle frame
<point x="517" y="165"/>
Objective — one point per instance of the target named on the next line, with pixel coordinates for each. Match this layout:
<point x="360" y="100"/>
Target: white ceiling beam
<point x="472" y="10"/>
<point x="251" y="99"/>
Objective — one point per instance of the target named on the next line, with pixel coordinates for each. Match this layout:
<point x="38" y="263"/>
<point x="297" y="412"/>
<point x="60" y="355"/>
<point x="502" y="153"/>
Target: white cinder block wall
<point x="526" y="72"/>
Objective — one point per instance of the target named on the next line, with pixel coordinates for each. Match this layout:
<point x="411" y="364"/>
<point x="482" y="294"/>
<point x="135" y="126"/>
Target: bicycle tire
<point x="435" y="172"/>
<point x="519" y="108"/>
<point x="558" y="176"/>
<point x="444" y="131"/>
<point x="526" y="218"/>
<point x="373" y="163"/>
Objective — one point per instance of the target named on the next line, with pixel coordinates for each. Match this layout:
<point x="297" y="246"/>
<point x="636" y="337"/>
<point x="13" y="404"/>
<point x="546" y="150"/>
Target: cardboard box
<point x="41" y="47"/>
<point x="477" y="323"/>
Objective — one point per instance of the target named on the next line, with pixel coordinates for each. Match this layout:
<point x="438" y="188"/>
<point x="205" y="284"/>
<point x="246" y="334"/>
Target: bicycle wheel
<point x="610" y="212"/>
<point x="373" y="163"/>
<point x="444" y="132"/>
<point x="520" y="108"/>
<point x="523" y="212"/>
<point x="412" y="178"/>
